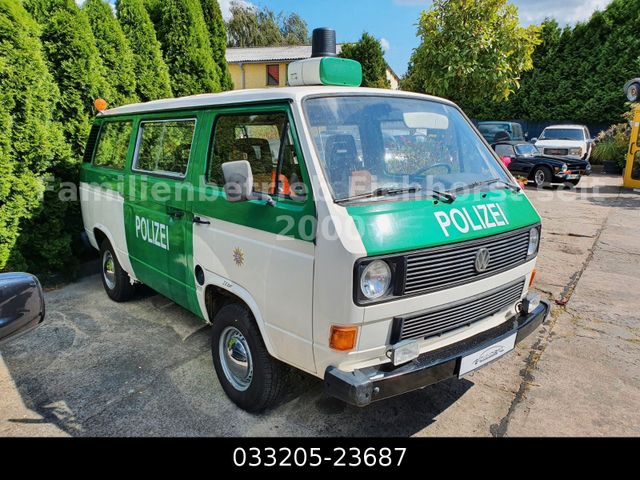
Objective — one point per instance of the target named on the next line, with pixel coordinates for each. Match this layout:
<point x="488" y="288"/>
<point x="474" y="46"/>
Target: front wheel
<point x="115" y="280"/>
<point x="542" y="177"/>
<point x="252" y="378"/>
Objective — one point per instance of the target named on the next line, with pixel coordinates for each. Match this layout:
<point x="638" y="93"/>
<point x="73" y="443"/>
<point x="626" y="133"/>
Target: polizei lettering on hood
<point x="472" y="219"/>
<point x="155" y="233"/>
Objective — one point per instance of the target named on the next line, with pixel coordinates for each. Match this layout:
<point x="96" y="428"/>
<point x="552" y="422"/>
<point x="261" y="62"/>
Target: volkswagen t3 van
<point x="368" y="237"/>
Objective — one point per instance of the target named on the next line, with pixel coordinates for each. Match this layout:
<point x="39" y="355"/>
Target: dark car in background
<point x="526" y="161"/>
<point x="498" y="131"/>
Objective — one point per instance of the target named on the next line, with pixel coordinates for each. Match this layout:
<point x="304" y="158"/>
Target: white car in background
<point x="572" y="141"/>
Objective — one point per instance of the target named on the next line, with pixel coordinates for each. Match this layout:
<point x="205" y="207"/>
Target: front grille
<point x="576" y="167"/>
<point x="556" y="151"/>
<point x="462" y="313"/>
<point x="440" y="268"/>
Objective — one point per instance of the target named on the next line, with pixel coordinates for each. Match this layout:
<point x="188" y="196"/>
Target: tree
<point x="218" y="39"/>
<point x="294" y="30"/>
<point x="253" y="27"/>
<point x="151" y="71"/>
<point x="114" y="51"/>
<point x="74" y="60"/>
<point x="369" y="53"/>
<point x="470" y="51"/>
<point x="578" y="72"/>
<point x="31" y="141"/>
<point x="184" y="38"/>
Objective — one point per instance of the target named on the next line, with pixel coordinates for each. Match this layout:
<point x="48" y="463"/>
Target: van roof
<point x="252" y="95"/>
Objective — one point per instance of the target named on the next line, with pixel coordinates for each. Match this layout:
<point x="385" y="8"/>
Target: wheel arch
<point x="216" y="296"/>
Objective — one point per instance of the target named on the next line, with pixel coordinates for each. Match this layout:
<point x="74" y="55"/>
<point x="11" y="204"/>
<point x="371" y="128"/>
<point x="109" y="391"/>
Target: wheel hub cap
<point x="235" y="357"/>
<point x="109" y="270"/>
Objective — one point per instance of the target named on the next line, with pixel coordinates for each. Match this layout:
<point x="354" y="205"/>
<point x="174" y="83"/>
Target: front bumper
<point x="361" y="387"/>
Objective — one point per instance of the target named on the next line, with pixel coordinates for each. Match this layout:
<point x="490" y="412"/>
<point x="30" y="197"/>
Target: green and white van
<point x="368" y="237"/>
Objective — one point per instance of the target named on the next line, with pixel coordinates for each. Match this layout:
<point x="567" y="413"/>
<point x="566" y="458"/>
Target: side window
<point x="113" y="144"/>
<point x="273" y="75"/>
<point x="259" y="140"/>
<point x="504" y="150"/>
<point x="517" y="131"/>
<point x="164" y="146"/>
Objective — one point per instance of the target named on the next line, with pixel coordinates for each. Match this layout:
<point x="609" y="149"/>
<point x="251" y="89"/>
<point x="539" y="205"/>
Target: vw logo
<point x="483" y="257"/>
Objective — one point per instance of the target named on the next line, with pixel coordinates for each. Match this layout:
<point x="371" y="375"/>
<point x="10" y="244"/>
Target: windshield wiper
<point x="471" y="186"/>
<point x="384" y="192"/>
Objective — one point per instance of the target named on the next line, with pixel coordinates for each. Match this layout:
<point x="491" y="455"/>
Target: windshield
<point x="562" y="134"/>
<point x="370" y="144"/>
<point x="526" y="149"/>
<point x="494" y="127"/>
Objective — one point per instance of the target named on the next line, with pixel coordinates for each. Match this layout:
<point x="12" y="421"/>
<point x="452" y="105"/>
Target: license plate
<point x="573" y="177"/>
<point x="487" y="355"/>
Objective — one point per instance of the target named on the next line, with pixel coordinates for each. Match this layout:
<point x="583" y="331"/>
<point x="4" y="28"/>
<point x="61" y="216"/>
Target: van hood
<point x="400" y="226"/>
<point x="560" y="143"/>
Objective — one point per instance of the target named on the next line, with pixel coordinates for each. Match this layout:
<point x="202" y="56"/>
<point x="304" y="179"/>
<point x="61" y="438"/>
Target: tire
<point x="633" y="91"/>
<point x="542" y="177"/>
<point x="257" y="383"/>
<point x="115" y="280"/>
<point x="574" y="183"/>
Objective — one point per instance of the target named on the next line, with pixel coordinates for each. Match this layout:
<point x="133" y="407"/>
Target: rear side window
<point x="164" y="146"/>
<point x="113" y="144"/>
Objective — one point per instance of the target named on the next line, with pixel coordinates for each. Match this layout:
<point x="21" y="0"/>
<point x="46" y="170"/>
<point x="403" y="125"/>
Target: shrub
<point x="31" y="142"/>
<point x="612" y="145"/>
<point x="186" y="48"/>
<point x="218" y="39"/>
<point x="115" y="52"/>
<point x="152" y="74"/>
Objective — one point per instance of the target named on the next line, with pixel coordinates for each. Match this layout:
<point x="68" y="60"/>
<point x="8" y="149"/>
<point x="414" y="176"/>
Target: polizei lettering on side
<point x="472" y="219"/>
<point x="153" y="232"/>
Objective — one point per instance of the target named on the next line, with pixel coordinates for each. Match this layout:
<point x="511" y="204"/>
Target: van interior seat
<point x="258" y="153"/>
<point x="341" y="156"/>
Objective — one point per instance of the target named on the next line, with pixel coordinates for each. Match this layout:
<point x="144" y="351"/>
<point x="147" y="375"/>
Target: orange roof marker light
<point x="100" y="104"/>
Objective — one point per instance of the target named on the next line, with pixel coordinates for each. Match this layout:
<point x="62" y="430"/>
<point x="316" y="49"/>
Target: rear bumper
<point x="361" y="387"/>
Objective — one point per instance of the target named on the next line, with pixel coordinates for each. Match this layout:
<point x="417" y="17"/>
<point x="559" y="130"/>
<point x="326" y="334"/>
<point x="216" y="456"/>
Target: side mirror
<point x="534" y="139"/>
<point x="21" y="304"/>
<point x="238" y="183"/>
<point x="238" y="180"/>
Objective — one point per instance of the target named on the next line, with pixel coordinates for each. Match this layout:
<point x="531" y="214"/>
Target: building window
<point x="273" y="75"/>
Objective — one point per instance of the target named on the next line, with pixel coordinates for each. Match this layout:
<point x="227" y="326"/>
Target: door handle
<point x="199" y="221"/>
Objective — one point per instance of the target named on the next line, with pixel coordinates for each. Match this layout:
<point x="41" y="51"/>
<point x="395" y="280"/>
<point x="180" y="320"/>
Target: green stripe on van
<point x="399" y="226"/>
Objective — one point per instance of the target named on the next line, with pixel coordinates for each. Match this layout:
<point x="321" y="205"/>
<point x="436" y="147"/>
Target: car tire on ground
<point x="250" y="377"/>
<point x="542" y="177"/>
<point x="574" y="183"/>
<point x="115" y="280"/>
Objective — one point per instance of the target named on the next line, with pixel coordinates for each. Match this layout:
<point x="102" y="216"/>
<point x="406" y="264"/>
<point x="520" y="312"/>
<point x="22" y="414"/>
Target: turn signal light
<point x="533" y="277"/>
<point x="343" y="338"/>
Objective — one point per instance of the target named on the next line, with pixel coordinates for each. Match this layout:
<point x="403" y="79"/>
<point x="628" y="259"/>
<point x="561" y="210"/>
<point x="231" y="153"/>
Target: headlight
<point x="375" y="279"/>
<point x="534" y="241"/>
<point x="564" y="167"/>
<point x="575" y="151"/>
